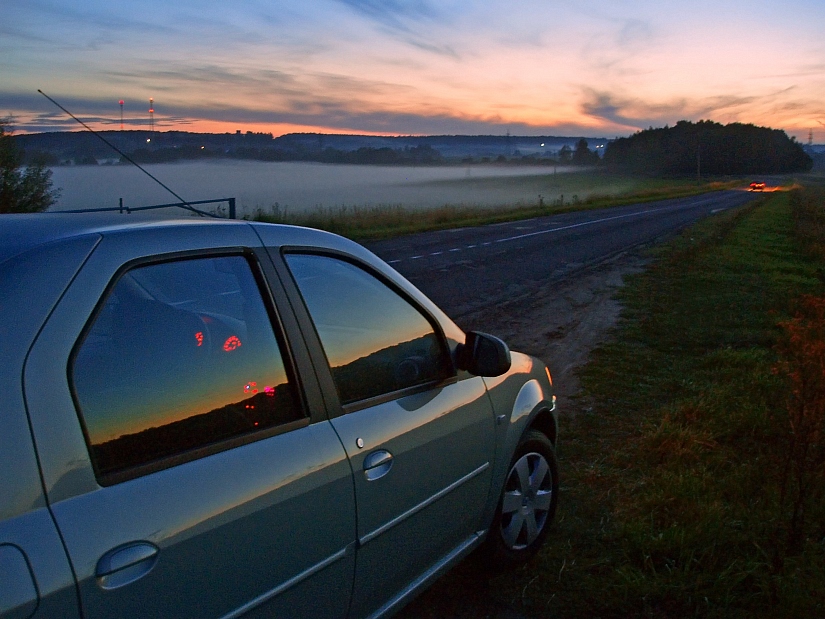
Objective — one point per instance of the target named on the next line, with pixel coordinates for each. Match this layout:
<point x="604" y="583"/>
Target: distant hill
<point x="82" y="147"/>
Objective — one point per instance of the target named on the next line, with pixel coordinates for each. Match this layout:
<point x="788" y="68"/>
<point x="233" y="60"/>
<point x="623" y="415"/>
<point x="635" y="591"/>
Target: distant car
<point x="208" y="419"/>
<point x="757" y="186"/>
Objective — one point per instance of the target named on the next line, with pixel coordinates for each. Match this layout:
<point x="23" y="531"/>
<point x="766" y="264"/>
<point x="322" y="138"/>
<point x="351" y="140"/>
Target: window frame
<point x="280" y="333"/>
<point x="318" y="353"/>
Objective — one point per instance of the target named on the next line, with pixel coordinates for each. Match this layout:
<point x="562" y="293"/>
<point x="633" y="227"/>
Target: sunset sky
<point x="599" y="68"/>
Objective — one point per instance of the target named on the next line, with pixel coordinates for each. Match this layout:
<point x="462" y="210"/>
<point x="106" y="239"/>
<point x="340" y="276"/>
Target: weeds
<point x="801" y="422"/>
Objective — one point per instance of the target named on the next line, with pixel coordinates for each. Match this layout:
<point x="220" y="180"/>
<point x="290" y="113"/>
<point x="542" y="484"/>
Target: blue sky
<point x="397" y="67"/>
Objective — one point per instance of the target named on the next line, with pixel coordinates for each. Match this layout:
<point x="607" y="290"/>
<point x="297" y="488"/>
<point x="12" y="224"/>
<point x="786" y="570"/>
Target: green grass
<point x="561" y="193"/>
<point x="670" y="471"/>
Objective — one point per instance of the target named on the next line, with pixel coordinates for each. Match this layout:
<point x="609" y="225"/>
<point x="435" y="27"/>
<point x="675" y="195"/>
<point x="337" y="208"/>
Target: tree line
<point x="707" y="147"/>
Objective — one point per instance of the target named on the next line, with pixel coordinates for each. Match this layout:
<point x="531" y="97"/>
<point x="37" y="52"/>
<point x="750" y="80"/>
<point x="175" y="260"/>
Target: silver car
<point x="226" y="419"/>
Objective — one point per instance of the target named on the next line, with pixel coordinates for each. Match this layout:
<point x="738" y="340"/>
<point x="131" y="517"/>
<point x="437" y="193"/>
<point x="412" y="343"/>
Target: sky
<point x="594" y="68"/>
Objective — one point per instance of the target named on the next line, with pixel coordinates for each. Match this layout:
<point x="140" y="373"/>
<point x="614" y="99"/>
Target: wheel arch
<point x="546" y="423"/>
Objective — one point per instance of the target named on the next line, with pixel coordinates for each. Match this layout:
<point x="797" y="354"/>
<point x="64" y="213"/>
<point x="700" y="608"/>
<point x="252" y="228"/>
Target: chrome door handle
<point x="125" y="564"/>
<point x="377" y="464"/>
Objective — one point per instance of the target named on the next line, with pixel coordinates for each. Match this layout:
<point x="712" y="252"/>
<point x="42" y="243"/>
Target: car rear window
<point x="180" y="358"/>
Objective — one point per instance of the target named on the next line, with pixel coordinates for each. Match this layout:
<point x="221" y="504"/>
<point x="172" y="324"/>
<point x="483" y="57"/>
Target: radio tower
<point x="152" y="115"/>
<point x="121" y="114"/>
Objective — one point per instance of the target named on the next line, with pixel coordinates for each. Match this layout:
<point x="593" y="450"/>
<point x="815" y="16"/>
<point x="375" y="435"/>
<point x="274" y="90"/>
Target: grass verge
<point x="385" y="221"/>
<point x="679" y="489"/>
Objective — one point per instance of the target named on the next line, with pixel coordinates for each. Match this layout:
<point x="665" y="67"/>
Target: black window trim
<point x="448" y="379"/>
<point x="190" y="455"/>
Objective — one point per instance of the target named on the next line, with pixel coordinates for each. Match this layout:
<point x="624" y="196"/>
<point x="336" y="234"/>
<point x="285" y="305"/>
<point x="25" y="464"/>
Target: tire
<point x="527" y="504"/>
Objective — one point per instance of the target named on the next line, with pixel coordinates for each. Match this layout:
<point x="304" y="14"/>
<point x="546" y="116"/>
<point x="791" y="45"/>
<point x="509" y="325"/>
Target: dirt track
<point x="562" y="322"/>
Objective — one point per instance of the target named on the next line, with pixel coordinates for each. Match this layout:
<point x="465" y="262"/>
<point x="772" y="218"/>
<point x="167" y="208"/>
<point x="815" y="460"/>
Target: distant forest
<point x="707" y="147"/>
<point x="688" y="148"/>
<point x="84" y="148"/>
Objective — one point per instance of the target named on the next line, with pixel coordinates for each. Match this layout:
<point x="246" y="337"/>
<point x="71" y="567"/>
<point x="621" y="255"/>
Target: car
<point x="230" y="418"/>
<point x="757" y="186"/>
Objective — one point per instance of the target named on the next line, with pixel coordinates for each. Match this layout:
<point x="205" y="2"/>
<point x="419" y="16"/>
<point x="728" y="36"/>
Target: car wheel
<point x="528" y="502"/>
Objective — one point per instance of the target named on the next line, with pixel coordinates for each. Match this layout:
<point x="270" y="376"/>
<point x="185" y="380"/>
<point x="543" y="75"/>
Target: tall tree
<point x="583" y="155"/>
<point x="23" y="189"/>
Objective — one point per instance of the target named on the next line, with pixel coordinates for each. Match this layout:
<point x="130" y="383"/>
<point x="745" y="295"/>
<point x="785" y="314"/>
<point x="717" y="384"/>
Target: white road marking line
<point x="590" y="223"/>
<point x="568" y="227"/>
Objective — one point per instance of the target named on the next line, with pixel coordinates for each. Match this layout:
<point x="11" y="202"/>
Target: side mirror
<point x="483" y="355"/>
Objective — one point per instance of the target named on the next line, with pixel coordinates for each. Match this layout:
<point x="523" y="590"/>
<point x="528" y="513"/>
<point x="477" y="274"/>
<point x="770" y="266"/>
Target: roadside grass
<point x="679" y="486"/>
<point x="575" y="191"/>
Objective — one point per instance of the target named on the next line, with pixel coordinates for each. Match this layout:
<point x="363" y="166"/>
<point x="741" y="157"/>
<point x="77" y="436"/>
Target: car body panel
<point x="46" y="568"/>
<point x="32" y="281"/>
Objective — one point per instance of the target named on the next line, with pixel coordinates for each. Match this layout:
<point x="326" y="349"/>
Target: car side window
<point x="179" y="358"/>
<point x="375" y="340"/>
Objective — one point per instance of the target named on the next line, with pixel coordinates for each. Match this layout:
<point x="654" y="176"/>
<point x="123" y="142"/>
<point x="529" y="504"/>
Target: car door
<point x="185" y="452"/>
<point x="420" y="440"/>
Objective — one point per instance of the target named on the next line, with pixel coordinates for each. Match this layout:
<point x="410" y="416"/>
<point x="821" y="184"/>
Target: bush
<point x="22" y="191"/>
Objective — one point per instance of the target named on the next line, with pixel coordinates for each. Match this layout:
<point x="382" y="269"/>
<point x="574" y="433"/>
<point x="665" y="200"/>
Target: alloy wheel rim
<point x="526" y="501"/>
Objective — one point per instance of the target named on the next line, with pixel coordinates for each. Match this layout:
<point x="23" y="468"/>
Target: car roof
<point x="22" y="232"/>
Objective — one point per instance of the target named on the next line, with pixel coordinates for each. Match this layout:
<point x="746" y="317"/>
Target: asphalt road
<point x="466" y="269"/>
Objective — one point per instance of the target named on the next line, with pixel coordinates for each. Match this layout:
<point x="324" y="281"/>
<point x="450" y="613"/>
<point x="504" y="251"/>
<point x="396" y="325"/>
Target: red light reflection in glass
<point x="199" y="338"/>
<point x="231" y="343"/>
<point x="250" y="387"/>
<point x="270" y="391"/>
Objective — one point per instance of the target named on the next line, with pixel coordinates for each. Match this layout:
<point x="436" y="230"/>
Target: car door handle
<point x="125" y="564"/>
<point x="377" y="464"/>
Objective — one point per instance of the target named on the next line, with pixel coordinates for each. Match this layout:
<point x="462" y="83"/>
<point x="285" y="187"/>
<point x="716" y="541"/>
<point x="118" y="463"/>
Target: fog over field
<point x="299" y="186"/>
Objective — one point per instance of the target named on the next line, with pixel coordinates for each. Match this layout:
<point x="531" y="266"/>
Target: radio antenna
<point x="183" y="203"/>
